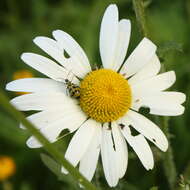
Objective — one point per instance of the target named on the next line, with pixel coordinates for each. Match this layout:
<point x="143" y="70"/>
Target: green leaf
<point x="169" y="46"/>
<point x="147" y="3"/>
<point x="25" y="186"/>
<point x="154" y="188"/>
<point x="187" y="172"/>
<point x="56" y="169"/>
<point x="183" y="183"/>
<point x="10" y="125"/>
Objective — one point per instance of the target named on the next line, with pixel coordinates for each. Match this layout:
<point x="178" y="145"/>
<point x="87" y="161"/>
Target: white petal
<point x="81" y="141"/>
<point x="149" y="70"/>
<point x="89" y="161"/>
<point x="109" y="157"/>
<point x="141" y="147"/>
<point x="122" y="43"/>
<point x="162" y="103"/>
<point x="48" y="117"/>
<point x="45" y="66"/>
<point x="121" y="150"/>
<point x="109" y="36"/>
<point x="71" y="121"/>
<point x="141" y="56"/>
<point x="52" y="48"/>
<point x="43" y="118"/>
<point x="42" y="101"/>
<point x="56" y="50"/>
<point x="36" y="85"/>
<point x="147" y="128"/>
<point x="79" y="63"/>
<point x="154" y="84"/>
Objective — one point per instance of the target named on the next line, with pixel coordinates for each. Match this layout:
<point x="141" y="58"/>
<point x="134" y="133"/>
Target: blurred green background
<point x="169" y="27"/>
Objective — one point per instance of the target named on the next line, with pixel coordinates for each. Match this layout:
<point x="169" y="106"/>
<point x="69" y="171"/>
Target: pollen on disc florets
<point x="105" y="95"/>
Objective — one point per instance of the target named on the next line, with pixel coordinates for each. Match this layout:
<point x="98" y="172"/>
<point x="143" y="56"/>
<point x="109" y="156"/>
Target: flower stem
<point x="140" y="15"/>
<point x="168" y="161"/>
<point x="4" y="102"/>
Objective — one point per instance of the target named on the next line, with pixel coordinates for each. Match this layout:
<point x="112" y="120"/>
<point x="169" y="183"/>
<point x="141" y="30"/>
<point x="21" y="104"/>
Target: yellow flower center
<point x="105" y="95"/>
<point x="7" y="167"/>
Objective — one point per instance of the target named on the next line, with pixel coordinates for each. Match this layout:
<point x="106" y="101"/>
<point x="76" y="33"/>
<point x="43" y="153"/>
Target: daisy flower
<point x="101" y="106"/>
<point x="7" y="167"/>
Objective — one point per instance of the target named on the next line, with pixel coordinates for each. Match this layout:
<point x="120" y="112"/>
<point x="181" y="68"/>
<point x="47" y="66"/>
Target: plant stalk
<point x="139" y="9"/>
<point x="4" y="102"/>
<point x="168" y="160"/>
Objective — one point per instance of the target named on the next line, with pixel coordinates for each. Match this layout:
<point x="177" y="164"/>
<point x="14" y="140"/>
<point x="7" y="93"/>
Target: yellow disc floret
<point x="7" y="167"/>
<point x="105" y="95"/>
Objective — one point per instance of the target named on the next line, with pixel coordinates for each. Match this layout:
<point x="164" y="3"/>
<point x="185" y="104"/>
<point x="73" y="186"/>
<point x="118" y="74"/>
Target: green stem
<point x="140" y="15"/>
<point x="168" y="160"/>
<point x="4" y="102"/>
